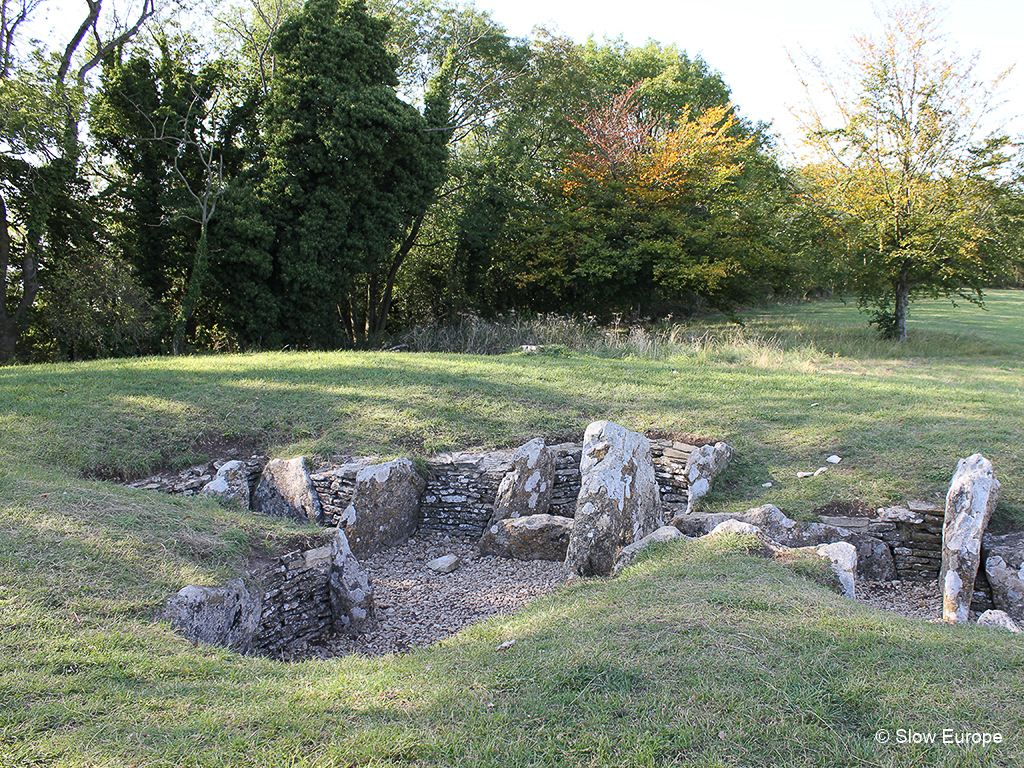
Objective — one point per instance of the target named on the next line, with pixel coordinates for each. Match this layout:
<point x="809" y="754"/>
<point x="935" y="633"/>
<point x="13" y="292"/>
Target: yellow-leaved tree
<point x="904" y="156"/>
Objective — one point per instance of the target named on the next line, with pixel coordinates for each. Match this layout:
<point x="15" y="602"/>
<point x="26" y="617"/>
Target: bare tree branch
<point x="120" y="34"/>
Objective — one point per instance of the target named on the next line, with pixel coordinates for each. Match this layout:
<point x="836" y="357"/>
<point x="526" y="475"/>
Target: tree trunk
<point x="900" y="309"/>
<point x="389" y="286"/>
<point x="9" y="323"/>
<point x="192" y="294"/>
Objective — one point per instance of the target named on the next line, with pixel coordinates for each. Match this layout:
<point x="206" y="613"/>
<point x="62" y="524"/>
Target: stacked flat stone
<point x="189" y="482"/>
<point x="670" y="457"/>
<point x="459" y="497"/>
<point x="296" y="600"/>
<point x="914" y="533"/>
<point x="335" y="487"/>
<point x="567" y="478"/>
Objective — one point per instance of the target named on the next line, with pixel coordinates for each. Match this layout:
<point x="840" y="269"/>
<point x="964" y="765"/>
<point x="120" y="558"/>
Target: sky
<point x="747" y="40"/>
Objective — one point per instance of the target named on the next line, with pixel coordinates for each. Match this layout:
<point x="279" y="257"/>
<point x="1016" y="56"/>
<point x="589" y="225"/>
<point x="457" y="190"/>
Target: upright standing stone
<point x="618" y="503"/>
<point x="703" y="466"/>
<point x="842" y="557"/>
<point x="385" y="507"/>
<point x="285" y="490"/>
<point x="972" y="497"/>
<point x="527" y="488"/>
<point x="352" y="608"/>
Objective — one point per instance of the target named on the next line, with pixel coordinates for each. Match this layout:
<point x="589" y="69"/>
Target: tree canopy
<point x="904" y="162"/>
<point x="322" y="174"/>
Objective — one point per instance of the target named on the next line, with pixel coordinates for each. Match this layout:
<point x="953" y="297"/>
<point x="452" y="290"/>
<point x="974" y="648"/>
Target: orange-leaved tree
<point x="648" y="205"/>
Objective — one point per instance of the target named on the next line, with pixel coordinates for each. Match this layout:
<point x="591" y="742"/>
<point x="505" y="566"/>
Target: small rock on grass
<point x="833" y="459"/>
<point x="998" y="619"/>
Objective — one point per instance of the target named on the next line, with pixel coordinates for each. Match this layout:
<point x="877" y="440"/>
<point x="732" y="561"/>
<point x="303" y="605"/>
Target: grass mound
<point x="696" y="655"/>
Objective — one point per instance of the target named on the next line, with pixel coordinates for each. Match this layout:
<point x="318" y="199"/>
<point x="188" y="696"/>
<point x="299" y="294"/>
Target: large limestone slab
<point x="534" y="537"/>
<point x="1007" y="586"/>
<point x="618" y="502"/>
<point x="285" y="490"/>
<point x="842" y="556"/>
<point x="972" y="497"/>
<point x="999" y="620"/>
<point x="385" y="506"/>
<point x="527" y="488"/>
<point x="353" y="610"/>
<point x="226" y="616"/>
<point x="630" y="552"/>
<point x="230" y="484"/>
<point x="1003" y="556"/>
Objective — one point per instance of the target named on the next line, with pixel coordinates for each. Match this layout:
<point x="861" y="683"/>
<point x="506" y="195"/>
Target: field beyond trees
<point x="697" y="655"/>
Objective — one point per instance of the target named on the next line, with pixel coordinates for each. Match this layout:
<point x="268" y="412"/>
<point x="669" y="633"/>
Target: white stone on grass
<point x="999" y="620"/>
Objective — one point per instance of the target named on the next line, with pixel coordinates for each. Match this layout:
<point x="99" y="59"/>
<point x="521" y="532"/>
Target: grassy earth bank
<point x="698" y="655"/>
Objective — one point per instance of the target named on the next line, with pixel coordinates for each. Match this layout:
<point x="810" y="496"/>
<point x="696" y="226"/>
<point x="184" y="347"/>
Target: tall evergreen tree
<point x="348" y="167"/>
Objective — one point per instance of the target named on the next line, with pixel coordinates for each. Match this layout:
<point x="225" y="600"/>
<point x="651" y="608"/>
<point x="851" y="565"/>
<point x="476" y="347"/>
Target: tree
<point x="647" y="212"/>
<point x="156" y="117"/>
<point x="901" y="167"/>
<point x="42" y="98"/>
<point x="348" y="168"/>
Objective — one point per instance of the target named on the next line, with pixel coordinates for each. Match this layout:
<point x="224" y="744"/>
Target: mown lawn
<point x="700" y="655"/>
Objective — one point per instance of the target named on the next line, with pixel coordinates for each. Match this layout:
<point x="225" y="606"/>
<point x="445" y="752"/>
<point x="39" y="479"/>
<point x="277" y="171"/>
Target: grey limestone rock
<point x="843" y="557"/>
<point x="618" y="502"/>
<point x="629" y="553"/>
<point x="999" y="620"/>
<point x="226" y="616"/>
<point x="874" y="558"/>
<point x="231" y="483"/>
<point x="1007" y="585"/>
<point x="703" y="466"/>
<point x="385" y="506"/>
<point x="352" y="606"/>
<point x="444" y="564"/>
<point x="285" y="490"/>
<point x="533" y="537"/>
<point x="971" y="499"/>
<point x="528" y="486"/>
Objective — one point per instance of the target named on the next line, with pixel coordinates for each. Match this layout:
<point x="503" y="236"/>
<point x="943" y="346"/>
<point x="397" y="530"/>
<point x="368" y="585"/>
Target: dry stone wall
<point x="296" y="600"/>
<point x="913" y="533"/>
<point x="459" y="497"/>
<point x="460" y="491"/>
<point x="335" y="486"/>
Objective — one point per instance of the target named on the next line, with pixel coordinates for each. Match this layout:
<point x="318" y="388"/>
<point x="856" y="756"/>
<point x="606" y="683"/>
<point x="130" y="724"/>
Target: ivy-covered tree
<point x="152" y="119"/>
<point x="348" y="167"/>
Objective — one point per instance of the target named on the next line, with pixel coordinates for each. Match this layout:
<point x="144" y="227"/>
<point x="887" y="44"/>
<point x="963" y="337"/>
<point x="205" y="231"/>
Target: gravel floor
<point x="417" y="607"/>
<point x="913" y="599"/>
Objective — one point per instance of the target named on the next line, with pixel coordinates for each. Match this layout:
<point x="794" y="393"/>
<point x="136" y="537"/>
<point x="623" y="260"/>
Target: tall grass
<point x="556" y="335"/>
<point x="826" y="331"/>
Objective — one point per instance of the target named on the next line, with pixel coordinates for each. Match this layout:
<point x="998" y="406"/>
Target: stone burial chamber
<point x="591" y="506"/>
<point x="575" y="503"/>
